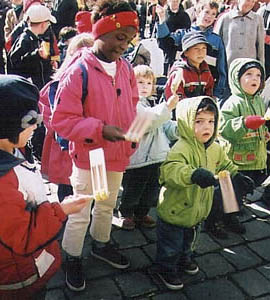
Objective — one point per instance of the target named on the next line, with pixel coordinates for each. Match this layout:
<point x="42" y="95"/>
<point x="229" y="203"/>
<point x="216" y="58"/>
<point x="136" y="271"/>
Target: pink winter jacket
<point x="110" y="101"/>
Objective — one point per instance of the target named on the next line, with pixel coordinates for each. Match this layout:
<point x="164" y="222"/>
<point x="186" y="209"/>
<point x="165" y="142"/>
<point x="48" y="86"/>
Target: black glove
<point x="243" y="183"/>
<point x="203" y="178"/>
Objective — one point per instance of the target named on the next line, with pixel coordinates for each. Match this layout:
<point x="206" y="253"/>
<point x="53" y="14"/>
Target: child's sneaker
<point x="233" y="224"/>
<point x="188" y="265"/>
<point x="218" y="231"/>
<point x="110" y="255"/>
<point x="74" y="275"/>
<point x="145" y="221"/>
<point x="171" y="280"/>
<point x="128" y="224"/>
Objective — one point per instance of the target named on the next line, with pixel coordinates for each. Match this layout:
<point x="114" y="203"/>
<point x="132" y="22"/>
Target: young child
<point x="65" y="36"/>
<point x="196" y="78"/>
<point x="29" y="57"/>
<point x="56" y="164"/>
<point x="140" y="181"/>
<point x="108" y="111"/>
<point x="30" y="225"/>
<point x="242" y="125"/>
<point x="216" y="56"/>
<point x="187" y="179"/>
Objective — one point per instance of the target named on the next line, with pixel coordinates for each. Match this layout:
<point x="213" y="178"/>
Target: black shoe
<point x="110" y="255"/>
<point x="188" y="265"/>
<point x="218" y="231"/>
<point x="171" y="280"/>
<point x="233" y="224"/>
<point x="74" y="274"/>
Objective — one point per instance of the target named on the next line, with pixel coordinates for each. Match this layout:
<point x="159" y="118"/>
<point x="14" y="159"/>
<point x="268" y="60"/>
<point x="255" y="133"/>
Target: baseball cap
<point x="40" y="13"/>
<point x="193" y="38"/>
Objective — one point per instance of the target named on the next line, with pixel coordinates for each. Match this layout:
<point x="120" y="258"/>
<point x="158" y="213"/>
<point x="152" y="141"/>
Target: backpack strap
<point x="52" y="91"/>
<point x="84" y="82"/>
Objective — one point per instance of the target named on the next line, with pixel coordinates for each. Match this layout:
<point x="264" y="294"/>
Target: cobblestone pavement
<point x="233" y="269"/>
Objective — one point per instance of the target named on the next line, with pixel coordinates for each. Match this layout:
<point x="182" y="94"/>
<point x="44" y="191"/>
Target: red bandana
<point x="112" y="22"/>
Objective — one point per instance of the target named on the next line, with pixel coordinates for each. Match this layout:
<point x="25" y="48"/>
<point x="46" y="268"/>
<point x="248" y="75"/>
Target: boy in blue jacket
<point x="216" y="57"/>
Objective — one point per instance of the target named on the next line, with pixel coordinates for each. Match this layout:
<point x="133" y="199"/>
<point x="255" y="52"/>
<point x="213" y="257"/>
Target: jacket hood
<point x="186" y="110"/>
<point x="7" y="162"/>
<point x="234" y="82"/>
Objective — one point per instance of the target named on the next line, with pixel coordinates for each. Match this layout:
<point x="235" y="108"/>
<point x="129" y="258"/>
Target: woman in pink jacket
<point x="101" y="121"/>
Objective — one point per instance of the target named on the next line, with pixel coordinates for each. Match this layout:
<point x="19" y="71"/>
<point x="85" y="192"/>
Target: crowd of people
<point x="74" y="75"/>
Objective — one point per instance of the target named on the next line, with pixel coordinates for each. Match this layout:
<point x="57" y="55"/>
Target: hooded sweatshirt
<point x="182" y="202"/>
<point x="247" y="146"/>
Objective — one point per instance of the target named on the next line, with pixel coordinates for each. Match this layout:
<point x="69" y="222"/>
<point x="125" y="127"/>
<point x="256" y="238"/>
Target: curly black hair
<point x="109" y="7"/>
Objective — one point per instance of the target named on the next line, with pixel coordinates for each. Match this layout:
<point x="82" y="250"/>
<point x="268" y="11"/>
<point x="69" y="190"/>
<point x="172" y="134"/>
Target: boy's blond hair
<point x="212" y="3"/>
<point x="146" y="72"/>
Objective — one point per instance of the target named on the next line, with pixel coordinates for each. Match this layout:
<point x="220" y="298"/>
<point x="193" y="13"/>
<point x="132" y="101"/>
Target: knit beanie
<point x="83" y="21"/>
<point x="249" y="65"/>
<point x="28" y="3"/>
<point x="18" y="105"/>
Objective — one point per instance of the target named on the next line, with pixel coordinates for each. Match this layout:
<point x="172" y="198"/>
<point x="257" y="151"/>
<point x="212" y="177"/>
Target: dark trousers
<point x="173" y="243"/>
<point x="140" y="191"/>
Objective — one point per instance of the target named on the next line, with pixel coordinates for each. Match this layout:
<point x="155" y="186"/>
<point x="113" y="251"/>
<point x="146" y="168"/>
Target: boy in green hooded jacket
<point x="188" y="179"/>
<point x="242" y="128"/>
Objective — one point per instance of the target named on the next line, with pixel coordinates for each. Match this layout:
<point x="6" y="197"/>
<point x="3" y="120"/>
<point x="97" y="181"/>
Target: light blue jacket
<point x="154" y="145"/>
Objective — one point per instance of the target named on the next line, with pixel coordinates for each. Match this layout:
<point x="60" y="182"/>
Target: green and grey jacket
<point x="181" y="202"/>
<point x="247" y="147"/>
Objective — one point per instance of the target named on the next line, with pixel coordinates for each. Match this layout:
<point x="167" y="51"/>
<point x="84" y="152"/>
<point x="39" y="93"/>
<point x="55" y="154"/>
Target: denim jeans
<point x="140" y="191"/>
<point x="174" y="242"/>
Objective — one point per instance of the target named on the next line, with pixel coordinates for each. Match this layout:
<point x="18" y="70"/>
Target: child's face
<point x="17" y="2"/>
<point x="145" y="86"/>
<point x="204" y="126"/>
<point x="110" y="46"/>
<point x="250" y="81"/>
<point x="207" y="16"/>
<point x="196" y="54"/>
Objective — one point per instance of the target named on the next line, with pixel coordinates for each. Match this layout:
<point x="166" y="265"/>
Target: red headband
<point x="112" y="22"/>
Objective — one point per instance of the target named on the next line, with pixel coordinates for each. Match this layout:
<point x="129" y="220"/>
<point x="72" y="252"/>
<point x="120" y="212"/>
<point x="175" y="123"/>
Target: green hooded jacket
<point x="181" y="202"/>
<point x="247" y="147"/>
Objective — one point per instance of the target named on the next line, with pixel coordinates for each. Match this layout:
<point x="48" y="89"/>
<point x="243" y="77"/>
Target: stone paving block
<point x="58" y="280"/>
<point x="256" y="230"/>
<point x="241" y="257"/>
<point x="128" y="239"/>
<point x="104" y="289"/>
<point x="135" y="284"/>
<point x="137" y="258"/>
<point x="261" y="248"/>
<point x="233" y="240"/>
<point x="252" y="282"/>
<point x="267" y="297"/>
<point x="214" y="265"/>
<point x="265" y="270"/>
<point x="221" y="289"/>
<point x="56" y="294"/>
<point x="177" y="295"/>
<point x="149" y="234"/>
<point x="206" y="244"/>
<point x="150" y="250"/>
<point x="94" y="268"/>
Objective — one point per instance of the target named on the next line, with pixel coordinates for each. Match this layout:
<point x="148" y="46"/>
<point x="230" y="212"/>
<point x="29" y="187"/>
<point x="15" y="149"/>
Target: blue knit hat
<point x="18" y="105"/>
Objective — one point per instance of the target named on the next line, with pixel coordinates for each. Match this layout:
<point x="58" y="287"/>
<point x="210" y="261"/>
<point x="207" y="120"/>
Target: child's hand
<point x="254" y="122"/>
<point x="204" y="178"/>
<point x="160" y="10"/>
<point x="112" y="133"/>
<point x="172" y="102"/>
<point x="74" y="204"/>
<point x="44" y="50"/>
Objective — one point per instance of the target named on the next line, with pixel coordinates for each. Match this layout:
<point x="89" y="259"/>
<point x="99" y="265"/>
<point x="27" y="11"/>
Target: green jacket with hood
<point x="247" y="147"/>
<point x="181" y="202"/>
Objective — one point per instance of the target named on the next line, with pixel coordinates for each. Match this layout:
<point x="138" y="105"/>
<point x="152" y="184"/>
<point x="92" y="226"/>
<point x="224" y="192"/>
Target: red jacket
<point x="196" y="82"/>
<point x="109" y="101"/>
<point x="26" y="236"/>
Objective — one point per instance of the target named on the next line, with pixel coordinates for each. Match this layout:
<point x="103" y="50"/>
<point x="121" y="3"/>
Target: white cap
<point x="40" y="13"/>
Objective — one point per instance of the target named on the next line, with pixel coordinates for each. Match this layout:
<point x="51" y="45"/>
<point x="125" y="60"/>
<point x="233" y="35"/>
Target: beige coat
<point x="11" y="22"/>
<point x="243" y="36"/>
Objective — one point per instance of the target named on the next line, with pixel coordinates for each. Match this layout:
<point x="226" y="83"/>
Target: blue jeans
<point x="173" y="243"/>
